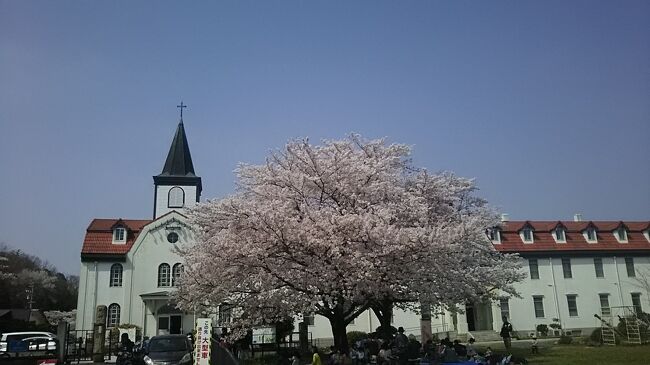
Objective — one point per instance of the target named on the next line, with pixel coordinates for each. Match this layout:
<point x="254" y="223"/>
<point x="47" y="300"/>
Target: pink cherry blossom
<point x="333" y="228"/>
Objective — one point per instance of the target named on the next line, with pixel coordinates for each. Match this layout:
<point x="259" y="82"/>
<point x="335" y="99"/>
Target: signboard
<point x="263" y="335"/>
<point x="203" y="341"/>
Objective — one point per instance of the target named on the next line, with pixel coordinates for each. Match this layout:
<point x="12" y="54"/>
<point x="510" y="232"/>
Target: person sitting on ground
<point x="429" y="349"/>
<point x="335" y="357"/>
<point x="384" y="355"/>
<point x="448" y="354"/>
<point x="360" y="354"/>
<point x="295" y="359"/>
<point x="354" y="354"/>
<point x="471" y="350"/>
<point x="460" y="349"/>
<point x="400" y="346"/>
<point x="344" y="358"/>
<point x="413" y="348"/>
<point x="488" y="353"/>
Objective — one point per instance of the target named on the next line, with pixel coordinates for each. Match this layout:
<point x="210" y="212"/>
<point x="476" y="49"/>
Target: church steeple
<point x="179" y="159"/>
<point x="177" y="186"/>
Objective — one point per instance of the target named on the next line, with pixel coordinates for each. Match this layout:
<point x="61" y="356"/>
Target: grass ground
<point x="584" y="355"/>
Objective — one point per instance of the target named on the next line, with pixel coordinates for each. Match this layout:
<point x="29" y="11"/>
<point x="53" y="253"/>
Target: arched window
<point x="176" y="198"/>
<point x="113" y="318"/>
<point x="116" y="275"/>
<point x="164" y="275"/>
<point x="176" y="273"/>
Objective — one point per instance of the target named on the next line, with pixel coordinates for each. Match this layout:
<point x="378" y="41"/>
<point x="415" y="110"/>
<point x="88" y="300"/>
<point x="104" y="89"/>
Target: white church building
<point x="130" y="266"/>
<point x="575" y="269"/>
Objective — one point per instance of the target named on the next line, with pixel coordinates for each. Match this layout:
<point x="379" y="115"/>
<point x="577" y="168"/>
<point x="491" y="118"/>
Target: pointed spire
<point x="179" y="159"/>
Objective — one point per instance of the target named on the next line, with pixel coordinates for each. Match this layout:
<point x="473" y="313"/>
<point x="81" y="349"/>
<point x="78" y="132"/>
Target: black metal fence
<point x="79" y="346"/>
<point x="267" y="344"/>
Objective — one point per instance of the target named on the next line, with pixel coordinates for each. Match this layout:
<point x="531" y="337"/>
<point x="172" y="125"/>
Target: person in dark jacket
<point x="505" y="333"/>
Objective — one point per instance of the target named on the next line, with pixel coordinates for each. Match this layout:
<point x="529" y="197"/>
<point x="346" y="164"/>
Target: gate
<point x="79" y="346"/>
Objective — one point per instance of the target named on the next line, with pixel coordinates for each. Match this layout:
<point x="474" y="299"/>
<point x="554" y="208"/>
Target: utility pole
<point x="29" y="292"/>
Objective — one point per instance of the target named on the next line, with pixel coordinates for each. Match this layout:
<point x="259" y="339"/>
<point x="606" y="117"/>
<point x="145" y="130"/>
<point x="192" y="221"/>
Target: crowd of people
<point x="407" y="350"/>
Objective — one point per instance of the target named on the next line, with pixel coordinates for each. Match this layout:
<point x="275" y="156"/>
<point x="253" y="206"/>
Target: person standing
<point x="400" y="347"/>
<point x="315" y="359"/>
<point x="505" y="333"/>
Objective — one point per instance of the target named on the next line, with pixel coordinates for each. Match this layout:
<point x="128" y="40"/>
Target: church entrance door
<point x="175" y="324"/>
<point x="170" y="324"/>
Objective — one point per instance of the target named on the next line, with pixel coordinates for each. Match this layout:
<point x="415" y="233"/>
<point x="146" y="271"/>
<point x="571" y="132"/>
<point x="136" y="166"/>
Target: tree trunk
<point x="339" y="331"/>
<point x="384" y="312"/>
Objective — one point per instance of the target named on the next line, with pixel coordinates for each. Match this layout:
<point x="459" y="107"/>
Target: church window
<point x="172" y="237"/>
<point x="119" y="235"/>
<point x="176" y="273"/>
<point x="163" y="275"/>
<point x="113" y="318"/>
<point x="176" y="198"/>
<point x="116" y="275"/>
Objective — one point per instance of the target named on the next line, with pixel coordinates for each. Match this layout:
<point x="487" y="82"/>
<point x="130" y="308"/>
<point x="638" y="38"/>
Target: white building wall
<point x="139" y="276"/>
<point x="584" y="284"/>
<point x="94" y="281"/>
<point x="162" y="195"/>
<point x="151" y="250"/>
<point x="551" y="285"/>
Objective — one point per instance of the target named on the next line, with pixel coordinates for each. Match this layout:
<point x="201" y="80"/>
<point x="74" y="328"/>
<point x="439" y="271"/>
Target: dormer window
<point x="494" y="234"/>
<point x="119" y="235"/>
<point x="647" y="234"/>
<point x="591" y="235"/>
<point x="527" y="235"/>
<point x="559" y="234"/>
<point x="621" y="234"/>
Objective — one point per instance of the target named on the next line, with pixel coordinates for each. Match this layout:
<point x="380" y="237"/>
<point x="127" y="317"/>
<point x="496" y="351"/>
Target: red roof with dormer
<point x="543" y="241"/>
<point x="99" y="236"/>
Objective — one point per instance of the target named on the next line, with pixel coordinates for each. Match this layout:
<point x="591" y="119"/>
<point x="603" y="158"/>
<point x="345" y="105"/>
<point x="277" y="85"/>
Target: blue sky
<point x="545" y="103"/>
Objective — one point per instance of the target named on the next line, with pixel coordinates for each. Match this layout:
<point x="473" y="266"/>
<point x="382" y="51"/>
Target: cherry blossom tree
<point x="332" y="229"/>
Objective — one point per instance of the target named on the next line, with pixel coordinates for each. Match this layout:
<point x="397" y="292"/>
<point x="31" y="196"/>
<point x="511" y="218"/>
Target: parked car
<point x="29" y="347"/>
<point x="168" y="350"/>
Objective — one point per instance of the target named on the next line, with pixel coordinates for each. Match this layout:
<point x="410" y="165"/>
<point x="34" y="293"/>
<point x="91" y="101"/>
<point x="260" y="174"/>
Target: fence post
<point x="303" y="339"/>
<point x="62" y="334"/>
<point x="99" y="334"/>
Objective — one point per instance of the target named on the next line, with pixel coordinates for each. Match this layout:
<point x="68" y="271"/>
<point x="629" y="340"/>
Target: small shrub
<point x="542" y="329"/>
<point x="354" y="336"/>
<point x="597" y="336"/>
<point x="565" y="340"/>
<point x="555" y="326"/>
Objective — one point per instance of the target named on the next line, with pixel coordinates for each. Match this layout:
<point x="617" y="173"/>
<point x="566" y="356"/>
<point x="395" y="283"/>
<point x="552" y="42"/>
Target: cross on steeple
<point x="181" y="107"/>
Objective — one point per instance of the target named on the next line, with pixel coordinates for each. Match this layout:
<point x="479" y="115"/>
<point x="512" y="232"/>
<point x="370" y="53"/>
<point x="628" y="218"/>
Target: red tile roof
<point x="99" y="236"/>
<point x="543" y="240"/>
